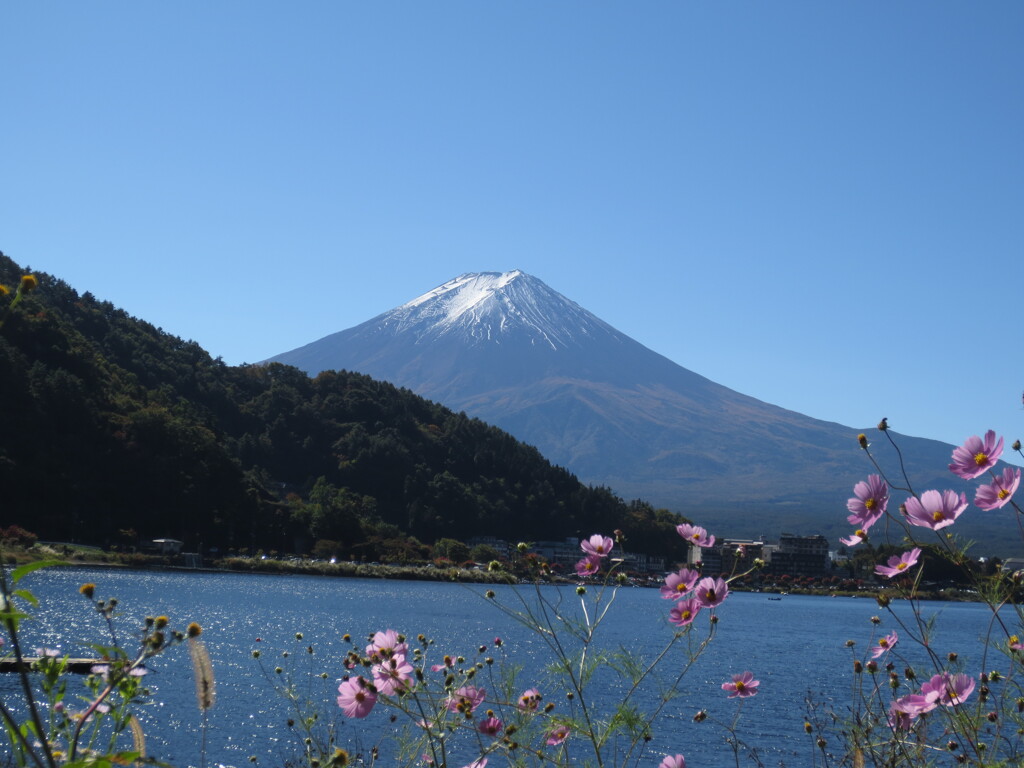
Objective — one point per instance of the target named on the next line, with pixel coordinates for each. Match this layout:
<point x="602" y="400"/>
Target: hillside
<point x="112" y="429"/>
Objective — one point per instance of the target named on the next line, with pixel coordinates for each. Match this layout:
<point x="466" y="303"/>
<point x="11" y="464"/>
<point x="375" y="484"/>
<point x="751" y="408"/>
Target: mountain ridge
<point x="614" y="412"/>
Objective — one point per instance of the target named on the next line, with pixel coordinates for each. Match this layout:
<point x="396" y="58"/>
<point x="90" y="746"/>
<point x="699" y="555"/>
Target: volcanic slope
<point x="507" y="348"/>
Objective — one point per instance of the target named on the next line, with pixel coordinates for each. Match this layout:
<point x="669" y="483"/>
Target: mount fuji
<point x="508" y="349"/>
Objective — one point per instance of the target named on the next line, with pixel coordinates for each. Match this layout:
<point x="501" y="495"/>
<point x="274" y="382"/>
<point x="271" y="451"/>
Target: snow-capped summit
<point x="494" y="307"/>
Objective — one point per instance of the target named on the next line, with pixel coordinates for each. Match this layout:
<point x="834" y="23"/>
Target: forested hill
<point x="109" y="425"/>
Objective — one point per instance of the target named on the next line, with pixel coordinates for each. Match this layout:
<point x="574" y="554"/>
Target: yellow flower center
<point x="1003" y="493"/>
<point x="696" y="537"/>
<point x="980" y="458"/>
<point x="680" y="587"/>
<point x="710" y="594"/>
<point x="869" y="503"/>
<point x="685" y="615"/>
<point x="883" y="643"/>
<point x="901" y="566"/>
<point x="859" y="532"/>
<point x="740" y="686"/>
<point x="937" y="516"/>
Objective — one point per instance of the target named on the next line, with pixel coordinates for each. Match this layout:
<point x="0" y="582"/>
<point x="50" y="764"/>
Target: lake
<point x="795" y="646"/>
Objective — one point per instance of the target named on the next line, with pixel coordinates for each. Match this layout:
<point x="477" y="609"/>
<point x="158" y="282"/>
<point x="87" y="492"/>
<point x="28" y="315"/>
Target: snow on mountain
<point x="490" y="307"/>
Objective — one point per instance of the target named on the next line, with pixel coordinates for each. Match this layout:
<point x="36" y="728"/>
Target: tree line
<point x="109" y="424"/>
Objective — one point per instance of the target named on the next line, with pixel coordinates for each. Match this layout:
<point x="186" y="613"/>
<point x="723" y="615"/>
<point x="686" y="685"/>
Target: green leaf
<point x="24" y="594"/>
<point x="24" y="570"/>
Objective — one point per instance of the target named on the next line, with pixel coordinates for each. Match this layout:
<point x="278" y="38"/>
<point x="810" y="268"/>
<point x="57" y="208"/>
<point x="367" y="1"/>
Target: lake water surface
<point x="795" y="646"/>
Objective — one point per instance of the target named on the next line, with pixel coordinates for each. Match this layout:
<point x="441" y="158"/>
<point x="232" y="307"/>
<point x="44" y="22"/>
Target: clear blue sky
<point x="817" y="204"/>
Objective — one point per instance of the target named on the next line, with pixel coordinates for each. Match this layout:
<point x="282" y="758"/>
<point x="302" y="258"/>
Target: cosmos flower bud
<point x="87" y="590"/>
<point x="160" y="622"/>
<point x="952" y="656"/>
<point x="883" y="425"/>
<point x="581" y="590"/>
<point x="872" y="666"/>
<point x="522" y="546"/>
<point x="808" y="728"/>
<point x="857" y="666"/>
<point x="194" y="630"/>
<point x="863" y="440"/>
<point x="1016" y="445"/>
<point x="992" y="716"/>
<point x="28" y="284"/>
<point x="821" y="743"/>
<point x="883" y="601"/>
<point x="701" y="716"/>
<point x="875" y="620"/>
<point x="952" y="746"/>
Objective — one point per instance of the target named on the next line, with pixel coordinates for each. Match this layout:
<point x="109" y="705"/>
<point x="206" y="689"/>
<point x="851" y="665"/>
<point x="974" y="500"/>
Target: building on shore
<point x="727" y="556"/>
<point x="794" y="555"/>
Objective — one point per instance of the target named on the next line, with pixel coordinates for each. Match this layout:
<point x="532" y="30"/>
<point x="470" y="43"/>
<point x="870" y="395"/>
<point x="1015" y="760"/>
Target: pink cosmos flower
<point x="678" y="584"/>
<point x="588" y="566"/>
<point x="393" y="676"/>
<point x="858" y="536"/>
<point x="684" y="612"/>
<point x="597" y="545"/>
<point x="869" y="502"/>
<point x="935" y="510"/>
<point x="710" y="592"/>
<point x="742" y="685"/>
<point x="899" y="563"/>
<point x="999" y="492"/>
<point x="449" y="662"/>
<point x="695" y="535"/>
<point x="976" y="455"/>
<point x="951" y="689"/>
<point x="491" y="726"/>
<point x="467" y="698"/>
<point x="529" y="699"/>
<point x="557" y="735"/>
<point x="885" y="644"/>
<point x="384" y="644"/>
<point x="673" y="761"/>
<point x="903" y="711"/>
<point x="356" y="698"/>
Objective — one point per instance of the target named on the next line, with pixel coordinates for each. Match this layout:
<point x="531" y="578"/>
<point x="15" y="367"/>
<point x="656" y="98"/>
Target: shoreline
<point x="454" y="574"/>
